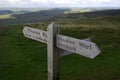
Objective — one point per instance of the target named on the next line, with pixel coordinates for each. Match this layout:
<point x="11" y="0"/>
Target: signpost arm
<point x="53" y="54"/>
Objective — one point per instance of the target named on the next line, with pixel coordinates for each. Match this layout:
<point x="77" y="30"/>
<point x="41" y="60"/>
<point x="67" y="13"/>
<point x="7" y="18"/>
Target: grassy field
<point x="25" y="59"/>
<point x="6" y="16"/>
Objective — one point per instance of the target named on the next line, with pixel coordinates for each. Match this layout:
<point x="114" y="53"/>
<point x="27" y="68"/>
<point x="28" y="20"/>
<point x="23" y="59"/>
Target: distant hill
<point x="54" y="15"/>
<point x="38" y="16"/>
<point x="102" y="13"/>
<point x="92" y="14"/>
<point x="2" y="12"/>
<point x="23" y="9"/>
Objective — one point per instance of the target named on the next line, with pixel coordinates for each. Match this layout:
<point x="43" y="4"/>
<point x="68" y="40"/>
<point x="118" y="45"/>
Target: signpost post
<point x="56" y="42"/>
<point x="52" y="52"/>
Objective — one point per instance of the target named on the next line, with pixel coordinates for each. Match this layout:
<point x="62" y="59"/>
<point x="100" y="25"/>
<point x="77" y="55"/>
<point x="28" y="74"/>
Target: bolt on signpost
<point x="60" y="45"/>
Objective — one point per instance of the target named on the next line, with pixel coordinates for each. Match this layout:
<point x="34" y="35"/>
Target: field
<point x="5" y="16"/>
<point x="25" y="59"/>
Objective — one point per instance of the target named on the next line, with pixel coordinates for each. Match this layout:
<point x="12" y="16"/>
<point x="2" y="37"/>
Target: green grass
<point x="25" y="59"/>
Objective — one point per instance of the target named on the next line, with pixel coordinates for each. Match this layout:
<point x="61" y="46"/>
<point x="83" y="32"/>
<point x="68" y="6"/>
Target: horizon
<point x="60" y="7"/>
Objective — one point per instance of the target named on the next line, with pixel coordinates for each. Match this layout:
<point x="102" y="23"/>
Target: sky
<point x="59" y="3"/>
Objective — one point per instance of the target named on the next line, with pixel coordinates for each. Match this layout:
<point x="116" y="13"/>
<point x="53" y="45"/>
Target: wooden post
<point x="52" y="52"/>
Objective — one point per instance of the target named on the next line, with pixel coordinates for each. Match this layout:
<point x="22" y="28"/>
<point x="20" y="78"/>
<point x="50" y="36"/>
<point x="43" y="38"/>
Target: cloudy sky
<point x="59" y="3"/>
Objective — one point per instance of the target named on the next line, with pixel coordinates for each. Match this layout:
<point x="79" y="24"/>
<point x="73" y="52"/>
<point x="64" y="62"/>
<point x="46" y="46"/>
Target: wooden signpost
<point x="57" y="43"/>
<point x="82" y="47"/>
<point x="35" y="34"/>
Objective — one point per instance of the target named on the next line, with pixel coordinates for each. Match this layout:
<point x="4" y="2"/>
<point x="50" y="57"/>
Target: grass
<point x="18" y="59"/>
<point x="25" y="59"/>
<point x="6" y="16"/>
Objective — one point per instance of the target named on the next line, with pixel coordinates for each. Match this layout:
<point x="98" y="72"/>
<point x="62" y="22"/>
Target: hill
<point x="17" y="11"/>
<point x="23" y="16"/>
<point x="38" y="16"/>
<point x="2" y="12"/>
<point x="102" y="13"/>
<point x="91" y="14"/>
<point x="14" y="9"/>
